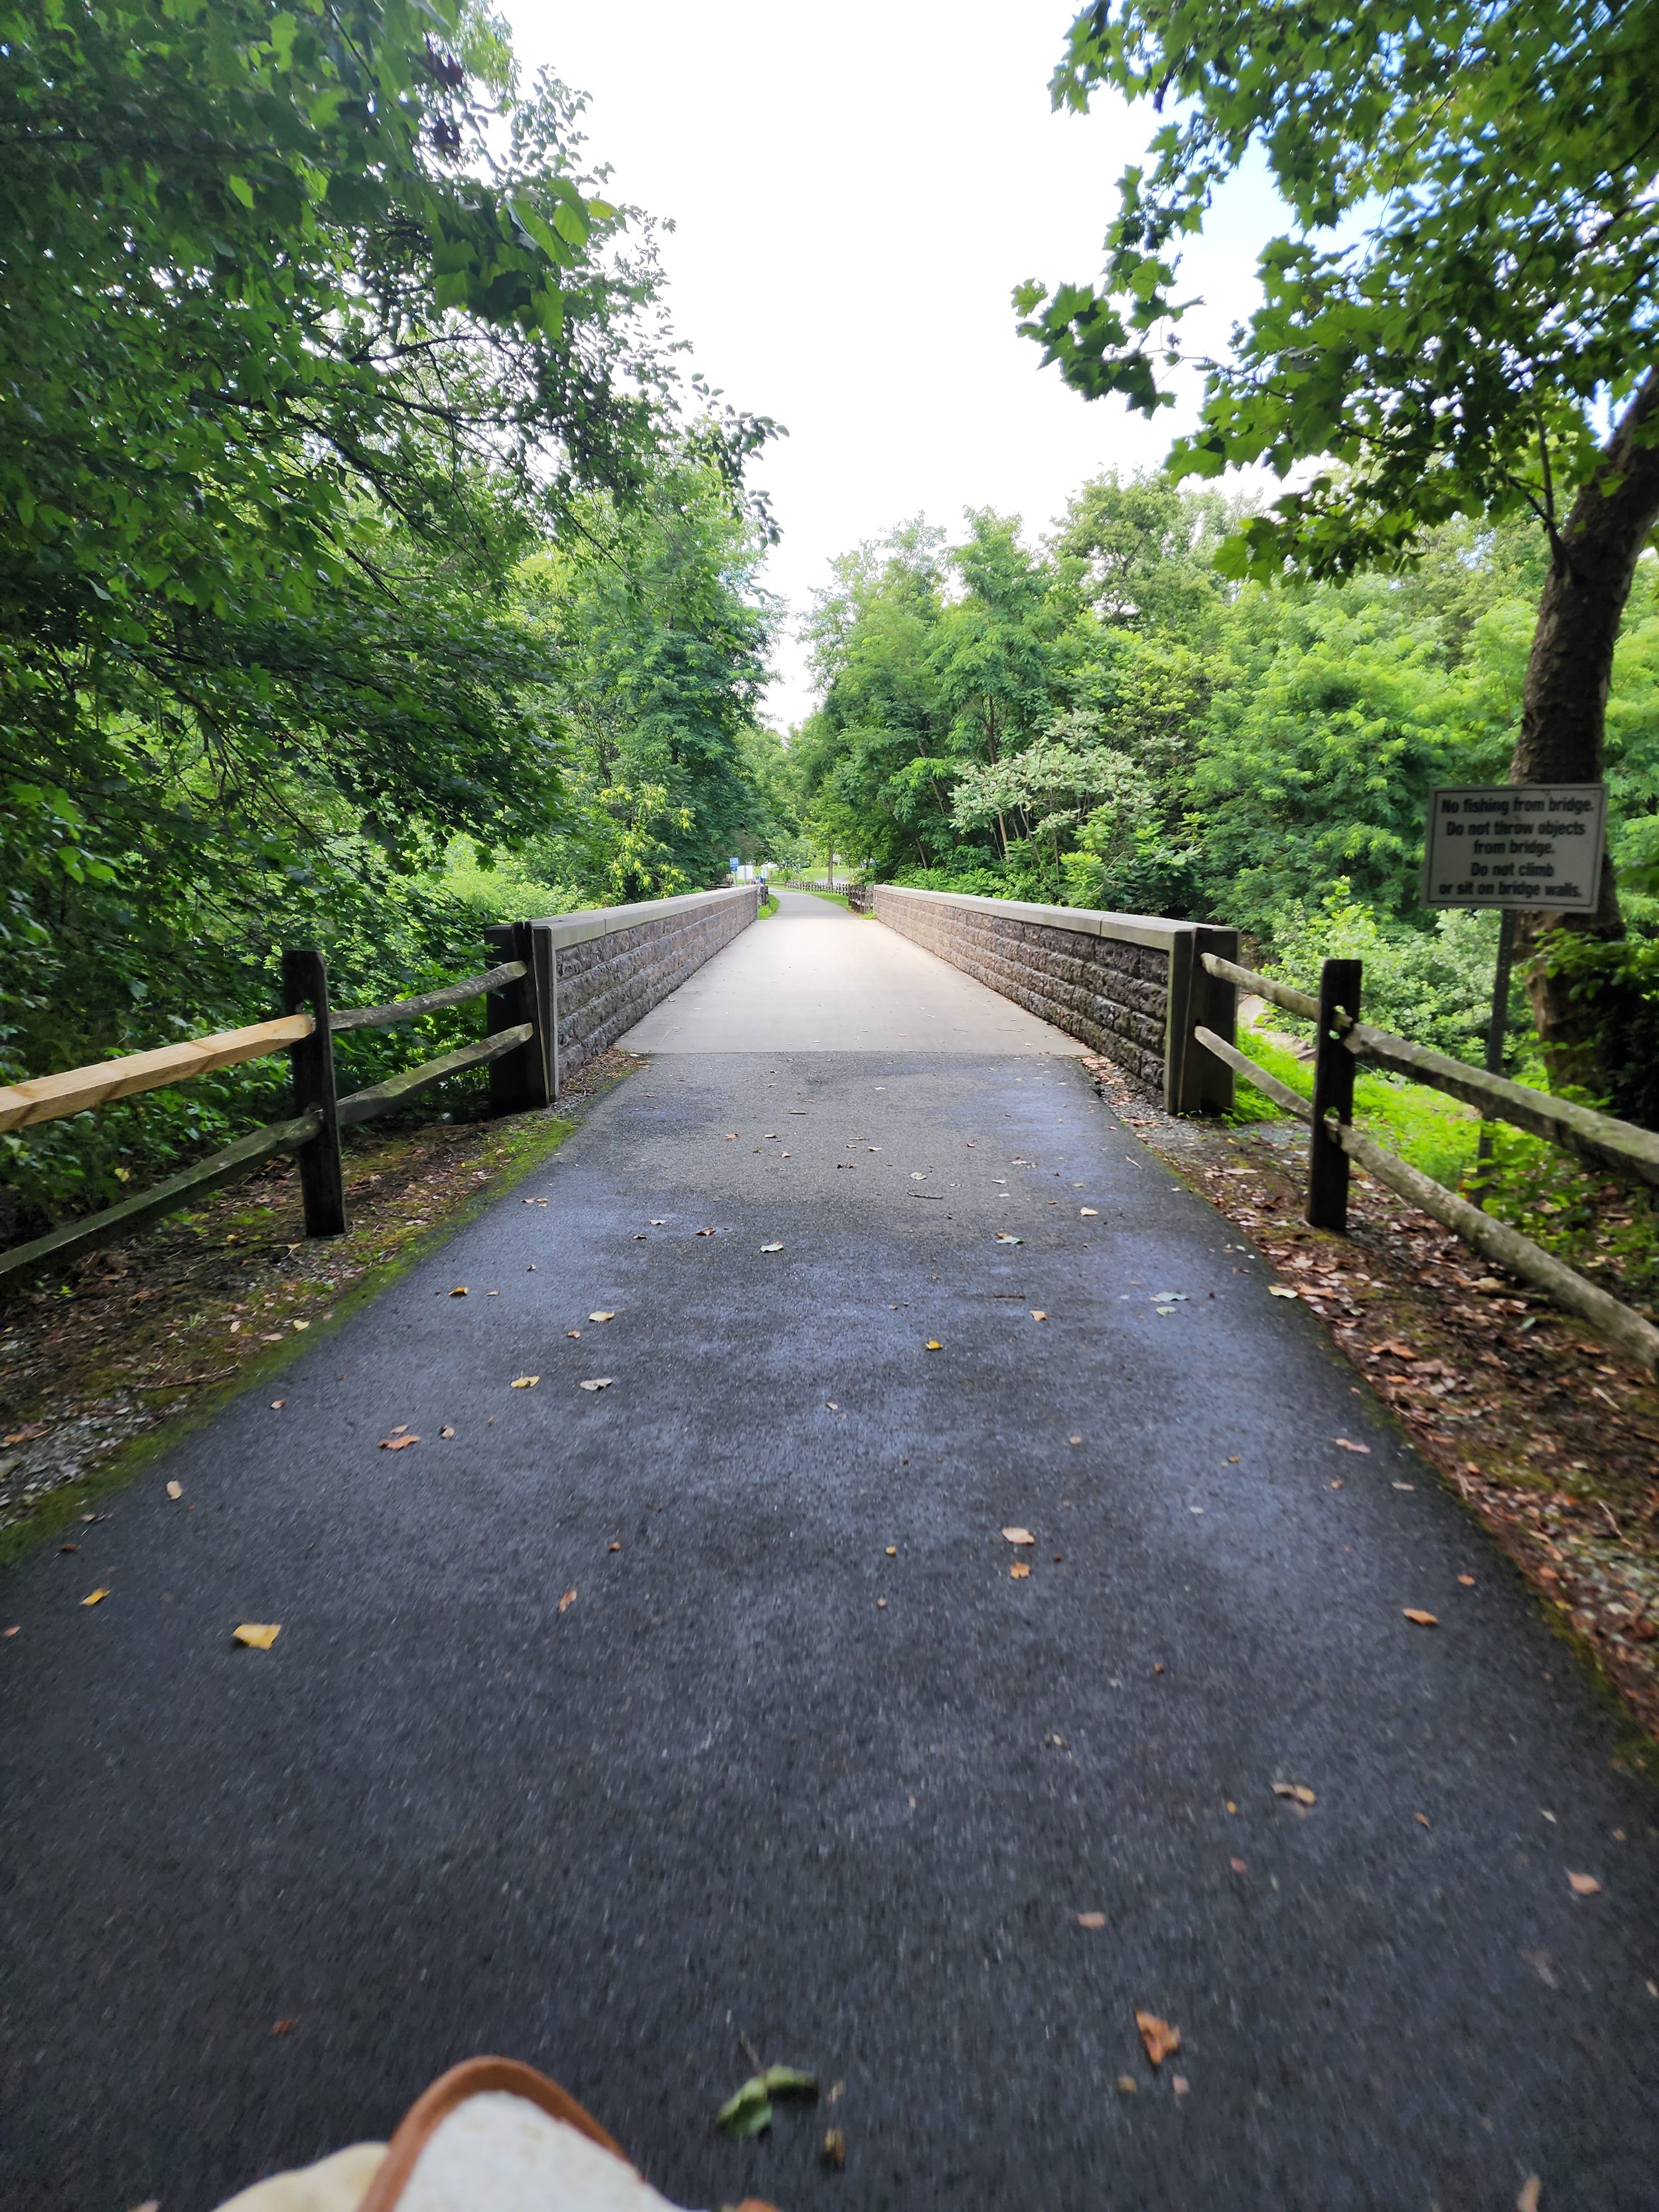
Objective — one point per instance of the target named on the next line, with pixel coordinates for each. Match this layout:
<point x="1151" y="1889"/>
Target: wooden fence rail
<point x="516" y="1050"/>
<point x="1341" y="1038"/>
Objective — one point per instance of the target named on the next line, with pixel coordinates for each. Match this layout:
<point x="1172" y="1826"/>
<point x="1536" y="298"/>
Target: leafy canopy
<point x="1468" y="278"/>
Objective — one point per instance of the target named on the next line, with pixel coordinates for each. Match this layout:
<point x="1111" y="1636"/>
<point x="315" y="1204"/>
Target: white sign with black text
<point x="1515" y="845"/>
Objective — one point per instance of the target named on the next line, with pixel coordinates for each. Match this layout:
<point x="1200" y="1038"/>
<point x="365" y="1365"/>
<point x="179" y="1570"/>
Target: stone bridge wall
<point x="611" y="965"/>
<point x="1121" y="982"/>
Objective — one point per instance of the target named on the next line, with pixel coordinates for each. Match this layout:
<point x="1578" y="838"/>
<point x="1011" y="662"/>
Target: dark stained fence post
<point x="1206" y="1082"/>
<point x="1178" y="1018"/>
<point x="518" y="1079"/>
<point x="1333" y="1074"/>
<point x="322" y="1184"/>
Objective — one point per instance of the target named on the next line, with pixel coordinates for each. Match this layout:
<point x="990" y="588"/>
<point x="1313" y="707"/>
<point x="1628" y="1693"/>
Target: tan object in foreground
<point x="490" y="2136"/>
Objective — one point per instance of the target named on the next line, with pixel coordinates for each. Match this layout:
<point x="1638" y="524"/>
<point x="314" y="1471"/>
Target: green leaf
<point x="788" y="2081"/>
<point x="748" y="2112"/>
<point x="241" y="189"/>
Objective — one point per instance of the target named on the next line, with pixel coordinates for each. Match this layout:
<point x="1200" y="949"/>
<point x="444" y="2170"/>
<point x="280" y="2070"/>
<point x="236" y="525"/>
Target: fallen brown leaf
<point x="1297" y="1791"/>
<point x="69" y="1547"/>
<point x="1528" y="2200"/>
<point x="27" y="1435"/>
<point x="567" y="1600"/>
<point x="1422" y="1820"/>
<point x="1019" y="1571"/>
<point x="256" y="1635"/>
<point x="1584" y="1885"/>
<point x="1281" y="1291"/>
<point x="285" y="2026"/>
<point x="1159" y="2038"/>
<point x="705" y="1232"/>
<point x="616" y="1547"/>
<point x="1180" y="2084"/>
<point x="1128" y="2085"/>
<point x="1348" y="1444"/>
<point x="1423" y="1619"/>
<point x="598" y="1382"/>
<point x="1074" y="1440"/>
<point x="526" y="1381"/>
<point x="1238" y="1866"/>
<point x="832" y="2151"/>
<point x="1019" y="1536"/>
<point x="1037" y="1316"/>
<point x="1467" y="1581"/>
<point x="459" y="1291"/>
<point x="175" y="1490"/>
<point x="1395" y="1349"/>
<point x="602" y="1317"/>
<point x="1091" y="1920"/>
<point x="398" y="1444"/>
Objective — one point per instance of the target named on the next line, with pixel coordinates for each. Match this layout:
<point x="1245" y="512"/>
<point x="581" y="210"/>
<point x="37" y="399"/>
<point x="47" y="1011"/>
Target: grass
<point x="1430" y="1132"/>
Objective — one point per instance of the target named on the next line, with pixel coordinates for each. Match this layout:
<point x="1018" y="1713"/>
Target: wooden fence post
<point x="1178" y="1017"/>
<point x="1333" y="1074"/>
<point x="518" y="1079"/>
<point x="322" y="1183"/>
<point x="1206" y="1082"/>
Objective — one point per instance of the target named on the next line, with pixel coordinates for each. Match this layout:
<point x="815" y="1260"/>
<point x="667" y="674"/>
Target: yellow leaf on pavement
<point x="257" y="1635"/>
<point x="1423" y="1619"/>
<point x="1159" y="2038"/>
<point x="602" y="1317"/>
<point x="96" y="1598"/>
<point x="175" y="1490"/>
<point x="1298" y="1791"/>
<point x="1019" y="1570"/>
<point x="567" y="1600"/>
<point x="1582" y="1885"/>
<point x="526" y="1381"/>
<point x="1019" y="1535"/>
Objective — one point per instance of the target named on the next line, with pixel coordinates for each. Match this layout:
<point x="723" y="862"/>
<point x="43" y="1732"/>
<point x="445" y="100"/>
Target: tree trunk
<point x="1564" y="707"/>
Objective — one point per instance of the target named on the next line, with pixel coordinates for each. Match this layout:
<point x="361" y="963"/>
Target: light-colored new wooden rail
<point x="48" y="1098"/>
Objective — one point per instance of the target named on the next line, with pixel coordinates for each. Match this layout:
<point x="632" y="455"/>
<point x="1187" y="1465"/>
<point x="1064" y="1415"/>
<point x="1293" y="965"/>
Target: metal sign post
<point x="1510" y="846"/>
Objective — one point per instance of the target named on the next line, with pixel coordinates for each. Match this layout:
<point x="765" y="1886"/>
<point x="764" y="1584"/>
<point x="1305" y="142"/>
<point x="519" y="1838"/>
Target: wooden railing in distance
<point x="307" y="1032"/>
<point x="1601" y="1139"/>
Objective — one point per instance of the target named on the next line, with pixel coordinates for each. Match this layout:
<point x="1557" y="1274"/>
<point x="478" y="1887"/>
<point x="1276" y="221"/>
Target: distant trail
<point x="761" y="1778"/>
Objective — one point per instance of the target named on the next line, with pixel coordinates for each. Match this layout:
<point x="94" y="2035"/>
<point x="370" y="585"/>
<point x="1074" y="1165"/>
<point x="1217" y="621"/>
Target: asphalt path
<point x="802" y="1761"/>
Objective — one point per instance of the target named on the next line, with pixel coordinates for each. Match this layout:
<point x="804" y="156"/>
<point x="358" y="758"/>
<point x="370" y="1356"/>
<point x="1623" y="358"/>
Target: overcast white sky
<point x="855" y="193"/>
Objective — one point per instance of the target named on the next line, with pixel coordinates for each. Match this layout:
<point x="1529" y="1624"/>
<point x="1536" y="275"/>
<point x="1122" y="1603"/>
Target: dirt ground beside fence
<point x="1550" y="1443"/>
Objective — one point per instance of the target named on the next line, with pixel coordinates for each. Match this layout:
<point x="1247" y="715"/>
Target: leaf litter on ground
<point x="256" y="1635"/>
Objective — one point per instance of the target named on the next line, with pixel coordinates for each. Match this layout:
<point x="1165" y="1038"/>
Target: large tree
<point x="1458" y="318"/>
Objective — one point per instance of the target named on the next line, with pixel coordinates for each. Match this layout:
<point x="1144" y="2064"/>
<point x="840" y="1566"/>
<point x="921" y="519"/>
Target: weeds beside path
<point x="104" y="1365"/>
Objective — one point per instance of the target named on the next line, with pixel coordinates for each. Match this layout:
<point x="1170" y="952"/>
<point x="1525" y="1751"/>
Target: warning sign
<point x="1515" y="845"/>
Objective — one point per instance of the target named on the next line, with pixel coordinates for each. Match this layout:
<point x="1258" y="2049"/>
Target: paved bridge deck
<point x="801" y="1761"/>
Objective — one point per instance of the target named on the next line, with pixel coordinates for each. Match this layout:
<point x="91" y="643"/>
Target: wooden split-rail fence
<point x="1341" y="1041"/>
<point x="516" y="1046"/>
